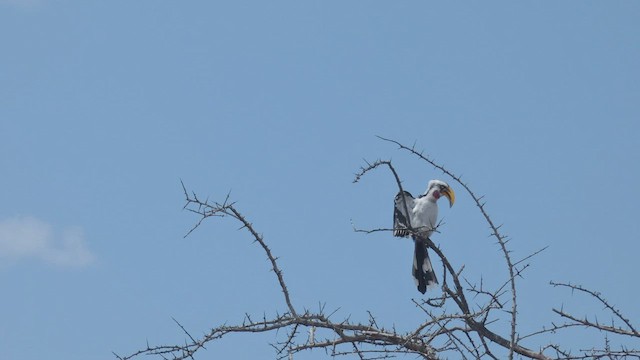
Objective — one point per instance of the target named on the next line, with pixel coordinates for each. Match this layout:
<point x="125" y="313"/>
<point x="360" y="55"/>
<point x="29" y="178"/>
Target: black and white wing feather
<point x="400" y="223"/>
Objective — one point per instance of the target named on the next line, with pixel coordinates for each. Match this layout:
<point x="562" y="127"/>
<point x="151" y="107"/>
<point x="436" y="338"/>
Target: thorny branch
<point x="630" y="331"/>
<point x="367" y="341"/>
<point x="502" y="240"/>
<point x="474" y="321"/>
<point x="478" y="322"/>
<point x="574" y="322"/>
<point x="461" y="330"/>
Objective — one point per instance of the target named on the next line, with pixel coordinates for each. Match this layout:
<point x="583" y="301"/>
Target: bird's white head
<point x="437" y="188"/>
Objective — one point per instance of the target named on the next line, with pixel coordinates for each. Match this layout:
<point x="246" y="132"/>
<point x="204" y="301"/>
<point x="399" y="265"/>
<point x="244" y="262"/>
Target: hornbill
<point x="420" y="225"/>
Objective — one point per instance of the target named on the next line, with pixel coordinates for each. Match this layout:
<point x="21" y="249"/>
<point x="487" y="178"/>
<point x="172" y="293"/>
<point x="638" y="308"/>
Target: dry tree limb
<point x="461" y="330"/>
<point x="630" y="331"/>
<point x="367" y="341"/>
<point x="457" y="293"/>
<point x="502" y="240"/>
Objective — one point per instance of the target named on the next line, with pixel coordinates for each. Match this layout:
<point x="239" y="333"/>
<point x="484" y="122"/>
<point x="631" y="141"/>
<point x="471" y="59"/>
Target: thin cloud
<point x="26" y="237"/>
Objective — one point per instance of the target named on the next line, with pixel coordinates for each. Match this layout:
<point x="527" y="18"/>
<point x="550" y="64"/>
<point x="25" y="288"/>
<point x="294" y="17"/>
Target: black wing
<point x="400" y="223"/>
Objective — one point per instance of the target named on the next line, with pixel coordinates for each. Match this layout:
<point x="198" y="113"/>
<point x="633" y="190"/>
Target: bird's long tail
<point x="422" y="271"/>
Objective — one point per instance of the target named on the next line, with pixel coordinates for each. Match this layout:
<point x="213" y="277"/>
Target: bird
<point x="417" y="217"/>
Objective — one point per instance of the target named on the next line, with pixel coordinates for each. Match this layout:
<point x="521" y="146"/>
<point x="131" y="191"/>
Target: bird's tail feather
<point x="422" y="271"/>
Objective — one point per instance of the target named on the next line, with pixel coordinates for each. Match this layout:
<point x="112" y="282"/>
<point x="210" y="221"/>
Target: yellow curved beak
<point x="450" y="194"/>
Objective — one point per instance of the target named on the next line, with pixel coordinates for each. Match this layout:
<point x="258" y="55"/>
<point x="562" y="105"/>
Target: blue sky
<point x="105" y="106"/>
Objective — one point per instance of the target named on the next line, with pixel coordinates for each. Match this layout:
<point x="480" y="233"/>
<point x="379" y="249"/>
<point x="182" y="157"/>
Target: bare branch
<point x="501" y="239"/>
<point x="362" y="339"/>
<point x="631" y="332"/>
<point x="593" y="324"/>
<point x="457" y="293"/>
<point x="457" y="322"/>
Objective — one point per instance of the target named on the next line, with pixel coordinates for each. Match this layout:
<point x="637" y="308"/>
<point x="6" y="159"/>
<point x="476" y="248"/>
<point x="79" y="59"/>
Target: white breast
<point x="425" y="215"/>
